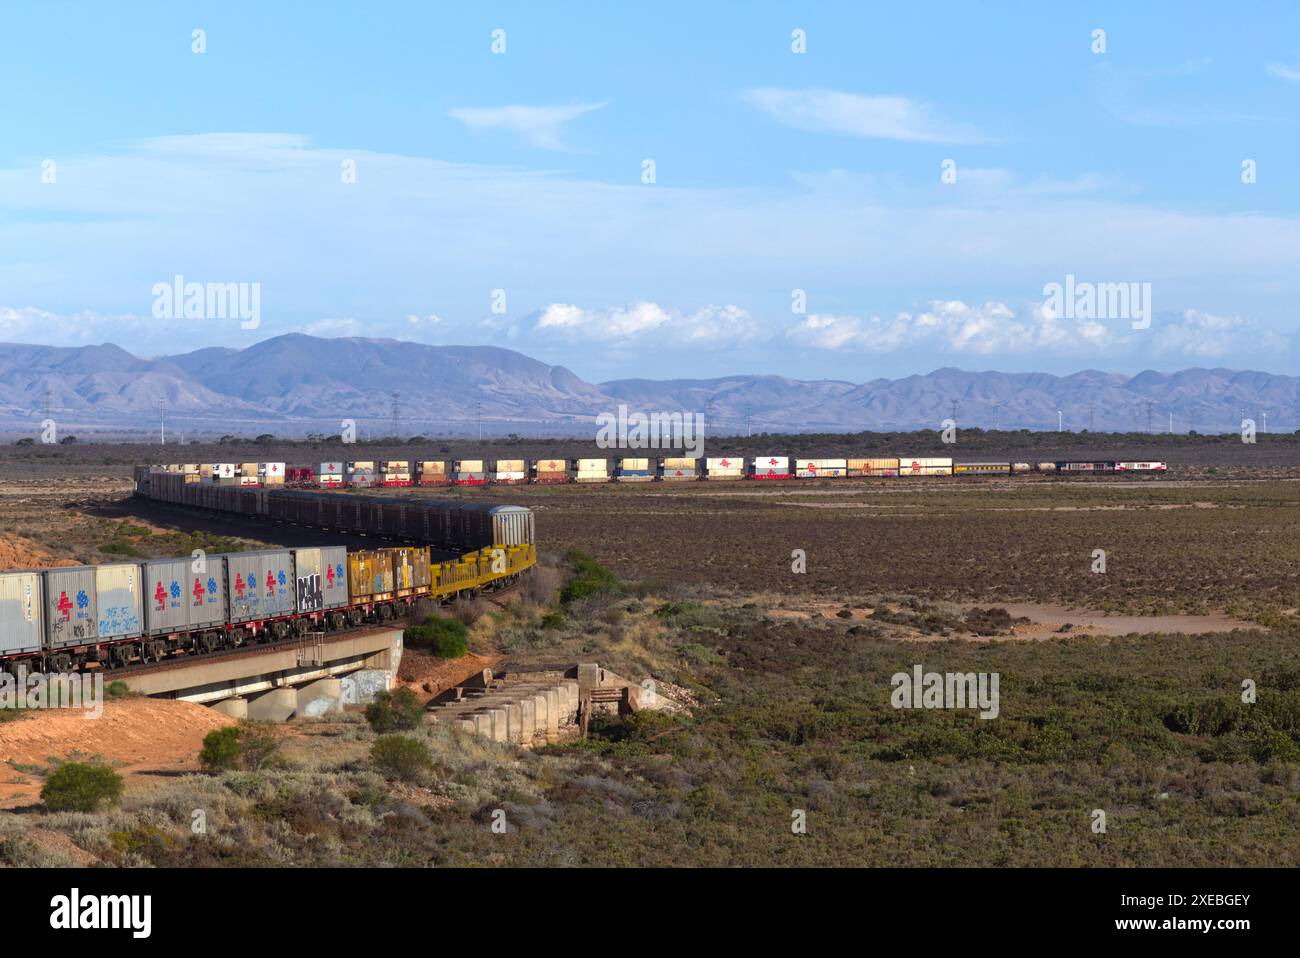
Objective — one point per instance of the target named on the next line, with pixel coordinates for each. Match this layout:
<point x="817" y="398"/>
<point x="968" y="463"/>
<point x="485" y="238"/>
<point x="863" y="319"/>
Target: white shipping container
<point x="120" y="600"/>
<point x="821" y="468"/>
<point x="21" y="625"/>
<point x="770" y="466"/>
<point x="1140" y="467"/>
<point x="271" y="471"/>
<point x="330" y="469"/>
<point x="920" y="466"/>
<point x="724" y="467"/>
<point x="224" y="470"/>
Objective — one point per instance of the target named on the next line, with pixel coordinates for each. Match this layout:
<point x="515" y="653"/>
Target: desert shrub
<point x="117" y="689"/>
<point x="392" y="711"/>
<point x="221" y="750"/>
<point x="258" y="743"/>
<point x="445" y="638"/>
<point x="400" y="757"/>
<point x="80" y="787"/>
<point x="589" y="578"/>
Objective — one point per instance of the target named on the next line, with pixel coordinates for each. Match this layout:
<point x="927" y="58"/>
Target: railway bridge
<point x="309" y="675"/>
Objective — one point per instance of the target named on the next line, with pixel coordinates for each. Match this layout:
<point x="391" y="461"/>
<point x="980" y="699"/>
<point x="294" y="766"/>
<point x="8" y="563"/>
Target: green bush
<point x="221" y="749"/>
<point x="78" y="787"/>
<point x="392" y="711"/>
<point x="117" y="689"/>
<point x="400" y="757"/>
<point x="445" y="638"/>
<point x="589" y="578"/>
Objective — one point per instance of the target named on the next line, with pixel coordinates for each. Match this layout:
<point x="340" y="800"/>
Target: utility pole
<point x="162" y="421"/>
<point x="396" y="410"/>
<point x="953" y="406"/>
<point x="478" y="412"/>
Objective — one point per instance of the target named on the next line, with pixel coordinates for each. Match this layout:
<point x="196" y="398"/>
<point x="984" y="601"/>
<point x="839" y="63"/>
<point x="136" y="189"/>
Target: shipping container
<point x="370" y="575"/>
<point x="469" y="472"/>
<point x="921" y="466"/>
<point x="223" y="470"/>
<point x="431" y="472"/>
<point x="880" y="468"/>
<point x="724" y="467"/>
<point x="21" y="627"/>
<point x="634" y="470"/>
<point x="1140" y="467"/>
<point x="395" y="472"/>
<point x="261" y="584"/>
<point x="361" y="466"/>
<point x="71" y="616"/>
<point x="550" y="470"/>
<point x="321" y="578"/>
<point x="120" y="600"/>
<point x="673" y="468"/>
<point x="178" y="597"/>
<point x="510" y="471"/>
<point x="190" y="468"/>
<point x="770" y="467"/>
<point x="821" y="468"/>
<point x="591" y="470"/>
<point x="271" y="473"/>
<point x="410" y="569"/>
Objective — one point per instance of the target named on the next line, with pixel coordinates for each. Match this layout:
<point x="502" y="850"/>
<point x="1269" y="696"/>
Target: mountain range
<point x="295" y="384"/>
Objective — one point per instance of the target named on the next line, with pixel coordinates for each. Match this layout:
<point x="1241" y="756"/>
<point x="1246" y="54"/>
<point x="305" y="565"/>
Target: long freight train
<point x="56" y="619"/>
<point x="479" y="472"/>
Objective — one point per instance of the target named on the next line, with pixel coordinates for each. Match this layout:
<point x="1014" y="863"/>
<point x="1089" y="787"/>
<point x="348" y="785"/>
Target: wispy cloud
<point x="538" y="125"/>
<point x="1285" y="71"/>
<point x="854" y="114"/>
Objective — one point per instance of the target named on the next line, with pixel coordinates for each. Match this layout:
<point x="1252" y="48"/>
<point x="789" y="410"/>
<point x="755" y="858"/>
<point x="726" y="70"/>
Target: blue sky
<point x="774" y="172"/>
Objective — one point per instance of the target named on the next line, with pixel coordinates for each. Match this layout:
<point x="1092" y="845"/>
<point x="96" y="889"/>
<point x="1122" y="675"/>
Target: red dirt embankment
<point x="136" y="736"/>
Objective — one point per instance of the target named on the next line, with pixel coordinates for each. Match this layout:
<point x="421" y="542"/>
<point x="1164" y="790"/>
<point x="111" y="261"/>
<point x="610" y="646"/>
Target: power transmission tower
<point x="953" y="407"/>
<point x="478" y="413"/>
<point x="396" y="410"/>
<point x="162" y="421"/>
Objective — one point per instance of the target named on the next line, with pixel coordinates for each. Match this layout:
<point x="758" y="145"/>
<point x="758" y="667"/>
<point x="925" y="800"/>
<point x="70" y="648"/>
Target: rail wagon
<point x="1093" y="466"/>
<point x="821" y="468"/>
<point x="1141" y="466"/>
<point x="550" y="470"/>
<point x="724" y="467"/>
<point x="469" y="472"/>
<point x="22" y="626"/>
<point x="921" y="466"/>
<point x="632" y="469"/>
<point x="591" y="470"/>
<point x="770" y="467"/>
<point x="331" y="475"/>
<point x="981" y="469"/>
<point x="676" y="468"/>
<point x="361" y="474"/>
<point x="510" y="471"/>
<point x="431" y="472"/>
<point x="395" y="472"/>
<point x="320" y="578"/>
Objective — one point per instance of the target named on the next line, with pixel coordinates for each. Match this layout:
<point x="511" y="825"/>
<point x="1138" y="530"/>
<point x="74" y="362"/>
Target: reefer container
<point x="634" y="470"/>
<point x="261" y="584"/>
<point x="726" y="467"/>
<point x="550" y="470"/>
<point x="1140" y="467"/>
<point x="821" y="468"/>
<point x="321" y="578"/>
<point x="468" y="472"/>
<point x="21" y="628"/>
<point x="678" y="467"/>
<point x="71" y="616"/>
<point x="119" y="599"/>
<point x="509" y="471"/>
<point x="430" y="472"/>
<point x="272" y="473"/>
<point x="177" y="598"/>
<point x="223" y="470"/>
<point x="591" y="470"/>
<point x="770" y="467"/>
<point x="918" y="466"/>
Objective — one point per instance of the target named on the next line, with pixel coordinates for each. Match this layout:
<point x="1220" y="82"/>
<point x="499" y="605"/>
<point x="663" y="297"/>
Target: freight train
<point x="56" y="619"/>
<point x="479" y="472"/>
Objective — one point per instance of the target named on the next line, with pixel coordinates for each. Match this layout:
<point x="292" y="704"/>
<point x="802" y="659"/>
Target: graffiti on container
<point x="310" y="596"/>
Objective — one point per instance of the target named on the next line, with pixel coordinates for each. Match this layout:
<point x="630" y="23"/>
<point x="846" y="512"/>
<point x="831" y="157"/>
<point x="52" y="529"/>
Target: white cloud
<point x="1285" y="71"/>
<point x="539" y="125"/>
<point x="954" y="327"/>
<point x="853" y="114"/>
<point x="334" y="327"/>
<point x="709" y="326"/>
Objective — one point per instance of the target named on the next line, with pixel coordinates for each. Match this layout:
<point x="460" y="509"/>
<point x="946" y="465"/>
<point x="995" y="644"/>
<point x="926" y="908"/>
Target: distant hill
<point x="296" y="384"/>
